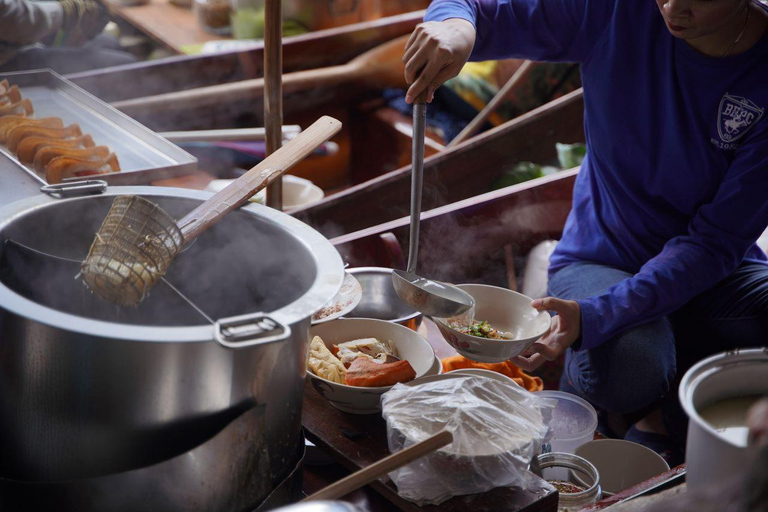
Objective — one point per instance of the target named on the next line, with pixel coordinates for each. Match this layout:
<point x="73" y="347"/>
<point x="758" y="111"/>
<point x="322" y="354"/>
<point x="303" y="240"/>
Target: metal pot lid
<point x="323" y="274"/>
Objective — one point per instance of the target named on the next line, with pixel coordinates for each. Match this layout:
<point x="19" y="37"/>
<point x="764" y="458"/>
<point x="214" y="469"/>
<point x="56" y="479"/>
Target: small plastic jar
<point x="569" y="472"/>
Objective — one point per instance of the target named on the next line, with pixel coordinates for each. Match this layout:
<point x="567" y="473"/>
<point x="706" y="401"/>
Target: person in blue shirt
<point x="657" y="266"/>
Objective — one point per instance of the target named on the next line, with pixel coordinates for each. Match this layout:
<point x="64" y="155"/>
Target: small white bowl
<point x="296" y="191"/>
<point x="504" y="310"/>
<point x="621" y="463"/>
<point x="362" y="400"/>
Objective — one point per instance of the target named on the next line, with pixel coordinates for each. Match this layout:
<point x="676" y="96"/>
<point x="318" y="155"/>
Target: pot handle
<point x="249" y="330"/>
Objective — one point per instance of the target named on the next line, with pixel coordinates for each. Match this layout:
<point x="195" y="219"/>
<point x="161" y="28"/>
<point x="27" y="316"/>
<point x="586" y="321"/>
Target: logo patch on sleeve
<point x="736" y="116"/>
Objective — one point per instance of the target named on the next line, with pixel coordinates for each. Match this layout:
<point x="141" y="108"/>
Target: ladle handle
<point x="417" y="175"/>
<point x="271" y="168"/>
<point x="382" y="467"/>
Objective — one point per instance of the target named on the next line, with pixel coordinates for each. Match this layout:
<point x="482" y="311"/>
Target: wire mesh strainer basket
<point x="132" y="250"/>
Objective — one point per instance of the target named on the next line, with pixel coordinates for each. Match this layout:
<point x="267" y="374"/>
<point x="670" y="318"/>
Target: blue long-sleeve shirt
<point x="674" y="187"/>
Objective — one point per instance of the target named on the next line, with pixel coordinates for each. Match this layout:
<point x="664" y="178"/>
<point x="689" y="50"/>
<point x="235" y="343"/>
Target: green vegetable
<point x="570" y="155"/>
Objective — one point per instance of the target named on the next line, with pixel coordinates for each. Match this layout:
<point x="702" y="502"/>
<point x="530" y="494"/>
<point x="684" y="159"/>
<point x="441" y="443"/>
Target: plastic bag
<point x="497" y="428"/>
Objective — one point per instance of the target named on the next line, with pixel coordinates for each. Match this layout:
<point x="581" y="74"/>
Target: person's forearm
<point x="548" y="30"/>
<point x="26" y="22"/>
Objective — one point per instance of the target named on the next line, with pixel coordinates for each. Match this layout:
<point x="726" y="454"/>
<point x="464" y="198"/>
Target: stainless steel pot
<point x="380" y="300"/>
<point x="88" y="390"/>
<point x="711" y="458"/>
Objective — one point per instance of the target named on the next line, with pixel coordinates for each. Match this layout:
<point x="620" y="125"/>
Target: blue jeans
<point x="636" y="369"/>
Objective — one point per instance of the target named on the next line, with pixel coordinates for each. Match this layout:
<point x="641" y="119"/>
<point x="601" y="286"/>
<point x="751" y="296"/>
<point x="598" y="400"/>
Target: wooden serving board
<point x="357" y="441"/>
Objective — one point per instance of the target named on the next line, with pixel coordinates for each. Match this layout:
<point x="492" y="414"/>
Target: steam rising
<point x="241" y="265"/>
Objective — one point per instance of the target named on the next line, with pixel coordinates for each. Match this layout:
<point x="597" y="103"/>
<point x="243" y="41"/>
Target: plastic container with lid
<point x="573" y="423"/>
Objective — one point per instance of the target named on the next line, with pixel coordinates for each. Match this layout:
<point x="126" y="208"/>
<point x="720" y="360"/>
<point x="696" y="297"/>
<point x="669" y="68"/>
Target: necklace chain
<point x="741" y="33"/>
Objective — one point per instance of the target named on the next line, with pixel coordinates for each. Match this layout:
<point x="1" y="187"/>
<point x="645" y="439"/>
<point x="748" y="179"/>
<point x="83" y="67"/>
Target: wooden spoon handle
<point x="382" y="467"/>
<point x="267" y="171"/>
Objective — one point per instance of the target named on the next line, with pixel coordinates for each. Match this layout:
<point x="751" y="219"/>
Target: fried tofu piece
<point x="324" y="364"/>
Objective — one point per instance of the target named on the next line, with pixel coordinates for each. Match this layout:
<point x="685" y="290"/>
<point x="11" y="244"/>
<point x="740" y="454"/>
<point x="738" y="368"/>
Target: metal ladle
<point x="432" y="298"/>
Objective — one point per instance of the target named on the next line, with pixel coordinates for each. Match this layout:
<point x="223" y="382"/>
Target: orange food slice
<point x="19" y="133"/>
<point x="365" y="373"/>
<point x="63" y="167"/>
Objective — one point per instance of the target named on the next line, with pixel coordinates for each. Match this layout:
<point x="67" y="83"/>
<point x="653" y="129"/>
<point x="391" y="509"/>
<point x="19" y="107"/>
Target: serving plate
<point x="342" y="303"/>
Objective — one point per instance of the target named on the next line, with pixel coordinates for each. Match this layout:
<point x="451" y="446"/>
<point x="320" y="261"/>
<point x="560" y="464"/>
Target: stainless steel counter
<point x="15" y="182"/>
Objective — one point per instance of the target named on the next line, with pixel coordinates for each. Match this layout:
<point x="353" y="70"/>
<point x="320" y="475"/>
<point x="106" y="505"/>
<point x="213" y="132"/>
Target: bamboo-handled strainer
<point x="138" y="240"/>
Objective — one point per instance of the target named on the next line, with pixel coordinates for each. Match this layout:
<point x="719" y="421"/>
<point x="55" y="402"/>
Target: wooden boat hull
<point x="307" y="51"/>
<point x="455" y="174"/>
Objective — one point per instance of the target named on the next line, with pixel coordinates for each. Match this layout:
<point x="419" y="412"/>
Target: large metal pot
<point x="88" y="390"/>
<point x="711" y="458"/>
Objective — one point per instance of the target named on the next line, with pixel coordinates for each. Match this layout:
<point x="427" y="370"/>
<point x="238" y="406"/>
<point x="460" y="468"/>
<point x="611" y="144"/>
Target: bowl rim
<point x="644" y="449"/>
<point x="505" y="341"/>
<point x="382" y="389"/>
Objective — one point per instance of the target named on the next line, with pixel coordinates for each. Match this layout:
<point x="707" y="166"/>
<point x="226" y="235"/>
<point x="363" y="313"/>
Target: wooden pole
<point x="273" y="90"/>
<point x="501" y="95"/>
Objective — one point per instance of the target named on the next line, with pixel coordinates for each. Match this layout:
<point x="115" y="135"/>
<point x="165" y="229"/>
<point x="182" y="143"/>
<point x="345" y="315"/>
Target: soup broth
<point x="729" y="418"/>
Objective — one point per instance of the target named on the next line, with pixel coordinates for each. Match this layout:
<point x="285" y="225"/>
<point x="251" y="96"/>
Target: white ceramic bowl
<point x="361" y="400"/>
<point x="505" y="310"/>
<point x="622" y="464"/>
<point x="296" y="191"/>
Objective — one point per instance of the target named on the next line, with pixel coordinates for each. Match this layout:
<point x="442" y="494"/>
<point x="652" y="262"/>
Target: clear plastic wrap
<point x="497" y="428"/>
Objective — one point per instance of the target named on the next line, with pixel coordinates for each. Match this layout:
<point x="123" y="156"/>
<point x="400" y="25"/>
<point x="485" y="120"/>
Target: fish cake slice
<point x="19" y="133"/>
<point x="8" y="123"/>
<point x="4" y="86"/>
<point x="23" y="107"/>
<point x="31" y="145"/>
<point x="48" y="153"/>
<point x="63" y="167"/>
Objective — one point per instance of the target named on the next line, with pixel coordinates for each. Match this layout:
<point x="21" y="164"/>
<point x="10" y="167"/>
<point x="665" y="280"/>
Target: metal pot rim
<point x="330" y="273"/>
<point x="383" y="270"/>
<point x="706" y="367"/>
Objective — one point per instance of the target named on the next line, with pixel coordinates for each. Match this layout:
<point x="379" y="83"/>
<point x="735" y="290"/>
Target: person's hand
<point x="436" y="52"/>
<point x="563" y="332"/>
<point x="757" y="421"/>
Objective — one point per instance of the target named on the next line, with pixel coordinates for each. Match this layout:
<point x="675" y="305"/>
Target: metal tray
<point x="144" y="156"/>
